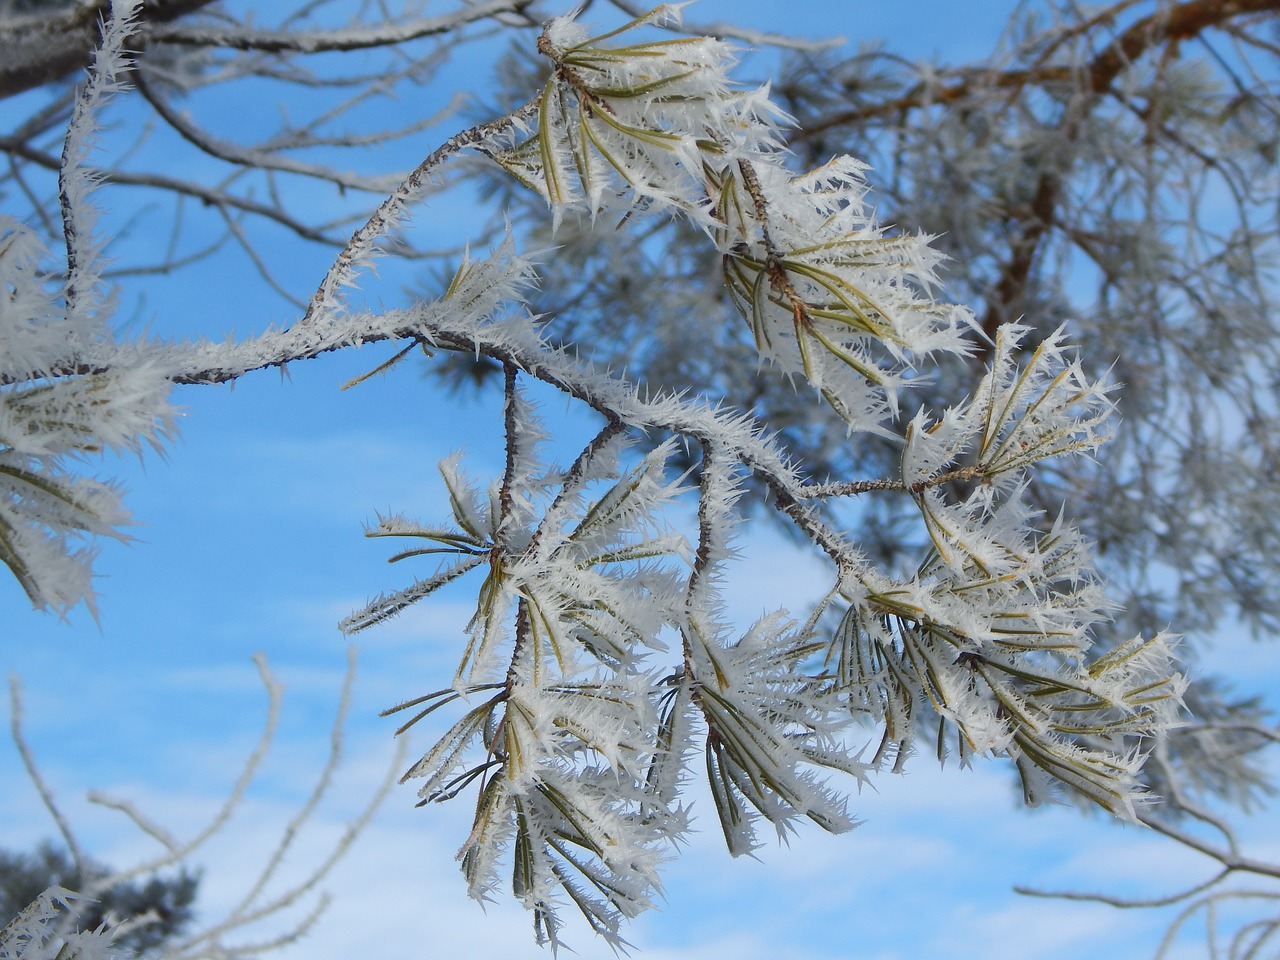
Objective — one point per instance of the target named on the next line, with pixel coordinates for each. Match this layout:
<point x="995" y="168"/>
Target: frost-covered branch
<point x="572" y="716"/>
<point x="358" y="254"/>
<point x="211" y="195"/>
<point x="1069" y="170"/>
<point x="47" y="420"/>
<point x="179" y="49"/>
<point x="1245" y="919"/>
<point x="992" y="633"/>
<point x="41" y="47"/>
<point x="1238" y="903"/>
<point x="37" y="781"/>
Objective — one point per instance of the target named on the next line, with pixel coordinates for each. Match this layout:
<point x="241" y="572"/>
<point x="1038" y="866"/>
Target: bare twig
<point x="329" y="41"/>
<point x="209" y="941"/>
<point x="230" y="802"/>
<point x="33" y="771"/>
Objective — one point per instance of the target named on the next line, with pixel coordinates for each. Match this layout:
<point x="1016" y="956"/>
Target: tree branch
<point x="361" y="247"/>
<point x="1228" y="858"/>
<point x="42" y="48"/>
<point x="1175" y="24"/>
<point x="1168" y="25"/>
<point x="855" y="487"/>
<point x="33" y="771"/>
<point x="212" y="196"/>
<point x="325" y="41"/>
<point x="248" y="157"/>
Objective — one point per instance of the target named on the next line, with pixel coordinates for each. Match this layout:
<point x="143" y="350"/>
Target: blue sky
<point x="250" y="541"/>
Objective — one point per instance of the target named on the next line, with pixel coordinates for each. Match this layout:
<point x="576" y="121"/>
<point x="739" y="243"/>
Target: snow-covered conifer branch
<point x="47" y="417"/>
<point x="570" y="715"/>
<point x="576" y="592"/>
<point x="660" y="126"/>
<point x="1008" y="594"/>
<point x="991" y="635"/>
<point x="41" y="932"/>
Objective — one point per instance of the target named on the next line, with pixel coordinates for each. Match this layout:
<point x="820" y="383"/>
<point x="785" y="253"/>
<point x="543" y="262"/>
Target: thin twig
<point x="329" y="41"/>
<point x="317" y="792"/>
<point x="33" y="771"/>
<point x="360" y="248"/>
<point x="1124" y="902"/>
<point x="232" y="800"/>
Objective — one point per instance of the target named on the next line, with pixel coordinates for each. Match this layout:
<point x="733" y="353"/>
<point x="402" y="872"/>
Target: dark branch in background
<point x="233" y="153"/>
<point x="1175" y="24"/>
<point x="325" y="41"/>
<point x="1169" y="25"/>
<point x="753" y="38"/>
<point x="212" y="196"/>
<point x="39" y="49"/>
<point x="42" y="48"/>
<point x="56" y="42"/>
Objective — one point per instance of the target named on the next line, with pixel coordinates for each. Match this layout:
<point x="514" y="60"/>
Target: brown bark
<point x="1180" y="22"/>
<point x="1170" y="24"/>
<point x="36" y="49"/>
